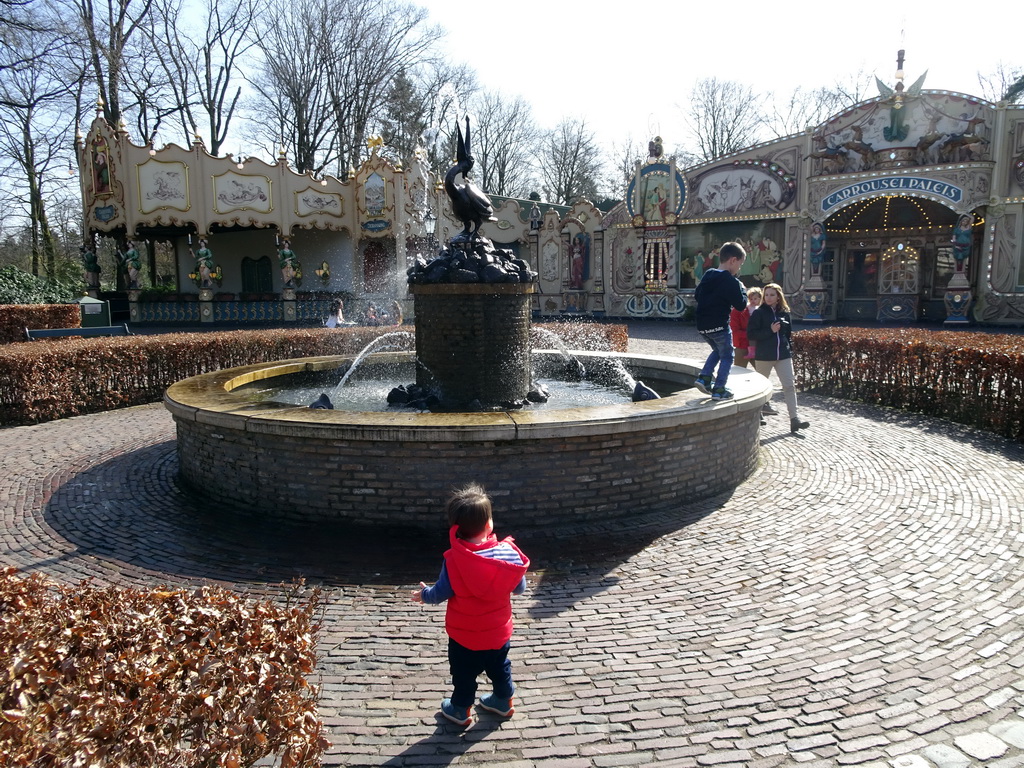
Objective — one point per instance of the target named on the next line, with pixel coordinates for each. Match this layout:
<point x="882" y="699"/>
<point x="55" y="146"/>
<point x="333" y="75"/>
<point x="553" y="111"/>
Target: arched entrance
<point x="891" y="258"/>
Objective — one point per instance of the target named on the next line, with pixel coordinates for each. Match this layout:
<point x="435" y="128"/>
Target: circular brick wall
<point x="542" y="466"/>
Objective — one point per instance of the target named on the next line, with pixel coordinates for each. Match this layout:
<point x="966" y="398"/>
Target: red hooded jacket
<point x="479" y="615"/>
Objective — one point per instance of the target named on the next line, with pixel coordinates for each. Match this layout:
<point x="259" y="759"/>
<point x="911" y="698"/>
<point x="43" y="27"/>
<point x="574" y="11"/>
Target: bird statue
<point x="469" y="204"/>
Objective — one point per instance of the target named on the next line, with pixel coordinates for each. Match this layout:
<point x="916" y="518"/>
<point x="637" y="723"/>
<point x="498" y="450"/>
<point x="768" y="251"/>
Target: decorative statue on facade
<point x="132" y="263"/>
<point x="817" y="247"/>
<point x="962" y="237"/>
<point x="291" y="270"/>
<point x="897" y="129"/>
<point x="91" y="267"/>
<point x="204" y="264"/>
<point x="576" y="262"/>
<point x="470" y="206"/>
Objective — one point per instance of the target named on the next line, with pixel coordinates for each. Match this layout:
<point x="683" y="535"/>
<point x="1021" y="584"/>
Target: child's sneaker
<point x="502" y="707"/>
<point x="703" y="383"/>
<point x="458" y="715"/>
<point x="721" y="393"/>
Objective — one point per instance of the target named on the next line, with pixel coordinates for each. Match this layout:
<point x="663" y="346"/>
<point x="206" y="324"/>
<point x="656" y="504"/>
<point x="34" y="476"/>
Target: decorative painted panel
<point x="162" y="185"/>
<point x="238" y="192"/>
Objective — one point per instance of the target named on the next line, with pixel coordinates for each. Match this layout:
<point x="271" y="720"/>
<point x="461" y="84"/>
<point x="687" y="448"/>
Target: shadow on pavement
<point x="447" y="743"/>
<point x="130" y="511"/>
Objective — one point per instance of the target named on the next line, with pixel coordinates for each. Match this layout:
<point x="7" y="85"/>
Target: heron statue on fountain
<point x="469" y="204"/>
<point x="469" y="257"/>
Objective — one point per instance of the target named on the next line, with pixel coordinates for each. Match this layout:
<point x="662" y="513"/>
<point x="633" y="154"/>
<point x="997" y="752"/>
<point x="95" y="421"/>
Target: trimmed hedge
<point x="15" y="318"/>
<point x="968" y="377"/>
<point x="122" y="677"/>
<point x="56" y="378"/>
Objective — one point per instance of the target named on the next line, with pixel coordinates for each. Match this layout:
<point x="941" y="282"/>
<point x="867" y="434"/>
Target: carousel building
<point x="906" y="207"/>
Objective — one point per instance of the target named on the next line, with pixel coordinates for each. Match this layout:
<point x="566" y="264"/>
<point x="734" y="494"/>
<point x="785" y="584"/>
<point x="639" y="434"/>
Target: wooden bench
<point x="33" y="334"/>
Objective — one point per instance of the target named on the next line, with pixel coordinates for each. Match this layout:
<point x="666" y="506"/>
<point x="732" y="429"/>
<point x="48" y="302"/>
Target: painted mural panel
<point x="916" y="130"/>
<point x="314" y="202"/>
<point x="762" y="240"/>
<point x="162" y="185"/>
<point x="744" y="186"/>
<point x="656" y="195"/>
<point x="237" y="192"/>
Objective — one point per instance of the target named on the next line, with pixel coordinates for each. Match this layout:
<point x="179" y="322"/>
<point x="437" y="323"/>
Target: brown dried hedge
<point x="15" y="318"/>
<point x="54" y="378"/>
<point x="968" y="377"/>
<point x="122" y="678"/>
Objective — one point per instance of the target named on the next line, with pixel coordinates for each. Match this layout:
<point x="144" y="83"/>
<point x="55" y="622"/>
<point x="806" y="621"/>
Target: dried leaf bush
<point x="968" y="377"/>
<point x="15" y="318"/>
<point x="121" y="678"/>
<point x="51" y="379"/>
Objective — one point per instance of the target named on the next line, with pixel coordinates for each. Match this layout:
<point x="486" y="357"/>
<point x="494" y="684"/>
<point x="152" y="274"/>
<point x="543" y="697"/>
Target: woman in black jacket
<point x="769" y="329"/>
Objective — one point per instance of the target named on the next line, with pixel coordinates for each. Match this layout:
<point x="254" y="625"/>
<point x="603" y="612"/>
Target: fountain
<point x="544" y="466"/>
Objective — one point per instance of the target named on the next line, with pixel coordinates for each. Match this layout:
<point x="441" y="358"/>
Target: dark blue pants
<point x="466" y="665"/>
<point x="721" y="354"/>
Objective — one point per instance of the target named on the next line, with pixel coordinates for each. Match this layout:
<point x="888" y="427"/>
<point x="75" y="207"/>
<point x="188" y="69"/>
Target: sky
<point x="627" y="68"/>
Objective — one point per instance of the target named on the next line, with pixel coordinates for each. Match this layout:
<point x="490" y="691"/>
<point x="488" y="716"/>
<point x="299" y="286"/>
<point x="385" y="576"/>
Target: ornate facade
<point x="905" y="207"/>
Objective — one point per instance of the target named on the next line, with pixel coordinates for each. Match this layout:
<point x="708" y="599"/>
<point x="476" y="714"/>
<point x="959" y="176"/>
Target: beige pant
<point x="784" y="370"/>
<point x="739" y="357"/>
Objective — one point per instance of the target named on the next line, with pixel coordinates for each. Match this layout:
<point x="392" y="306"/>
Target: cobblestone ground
<point x="858" y="601"/>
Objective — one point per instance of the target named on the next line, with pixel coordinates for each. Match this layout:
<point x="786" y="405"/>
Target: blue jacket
<point x="717" y="293"/>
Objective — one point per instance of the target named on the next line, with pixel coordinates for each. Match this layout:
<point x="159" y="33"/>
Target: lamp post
<point x="430" y="224"/>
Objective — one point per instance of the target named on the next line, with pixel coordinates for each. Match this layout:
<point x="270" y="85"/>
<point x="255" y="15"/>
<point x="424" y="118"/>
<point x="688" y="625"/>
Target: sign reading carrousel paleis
<point x="897" y="185"/>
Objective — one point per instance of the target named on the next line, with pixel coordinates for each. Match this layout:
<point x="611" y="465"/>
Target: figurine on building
<point x="204" y="264"/>
<point x="962" y="237"/>
<point x="817" y="247"/>
<point x="289" y="264"/>
<point x="132" y="263"/>
<point x="91" y="266"/>
<point x="535" y="217"/>
<point x="576" y="263"/>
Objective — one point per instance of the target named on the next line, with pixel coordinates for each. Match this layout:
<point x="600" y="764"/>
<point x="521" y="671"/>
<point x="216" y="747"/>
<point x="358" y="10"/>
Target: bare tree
<point x="624" y="159"/>
<point x="150" y="95"/>
<point x="503" y="143"/>
<point x="291" y="86"/>
<point x="802" y="108"/>
<point x="107" y="29"/>
<point x="367" y="43"/>
<point x="570" y="163"/>
<point x="17" y="17"/>
<point x="722" y="117"/>
<point x="329" y="69"/>
<point x="34" y="137"/>
<point x="204" y="74"/>
<point x="999" y="86"/>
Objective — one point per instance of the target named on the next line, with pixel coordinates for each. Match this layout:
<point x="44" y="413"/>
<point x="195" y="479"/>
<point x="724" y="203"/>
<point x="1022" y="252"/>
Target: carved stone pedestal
<point x="133" y="304"/>
<point x="816" y="300"/>
<point x="206" y="305"/>
<point x="957" y="300"/>
<point x="288" y="299"/>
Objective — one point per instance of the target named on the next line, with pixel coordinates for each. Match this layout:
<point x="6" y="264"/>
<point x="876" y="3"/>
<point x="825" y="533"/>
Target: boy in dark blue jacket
<point x="718" y="292"/>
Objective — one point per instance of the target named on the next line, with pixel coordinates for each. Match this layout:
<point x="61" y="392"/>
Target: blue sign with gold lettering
<point x="895" y="185"/>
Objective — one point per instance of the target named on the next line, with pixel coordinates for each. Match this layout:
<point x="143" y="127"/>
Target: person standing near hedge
<point x="770" y="328"/>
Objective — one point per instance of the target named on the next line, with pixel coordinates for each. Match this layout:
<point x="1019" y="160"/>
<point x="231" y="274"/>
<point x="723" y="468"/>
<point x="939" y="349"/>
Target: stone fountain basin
<point x="544" y="466"/>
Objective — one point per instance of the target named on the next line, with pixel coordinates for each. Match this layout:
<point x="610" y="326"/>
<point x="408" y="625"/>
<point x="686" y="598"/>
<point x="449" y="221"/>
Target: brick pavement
<point x="858" y="601"/>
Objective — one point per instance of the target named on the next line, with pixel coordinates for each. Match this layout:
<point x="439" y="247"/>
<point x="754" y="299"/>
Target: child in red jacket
<point x="478" y="578"/>
<point x="743" y="350"/>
